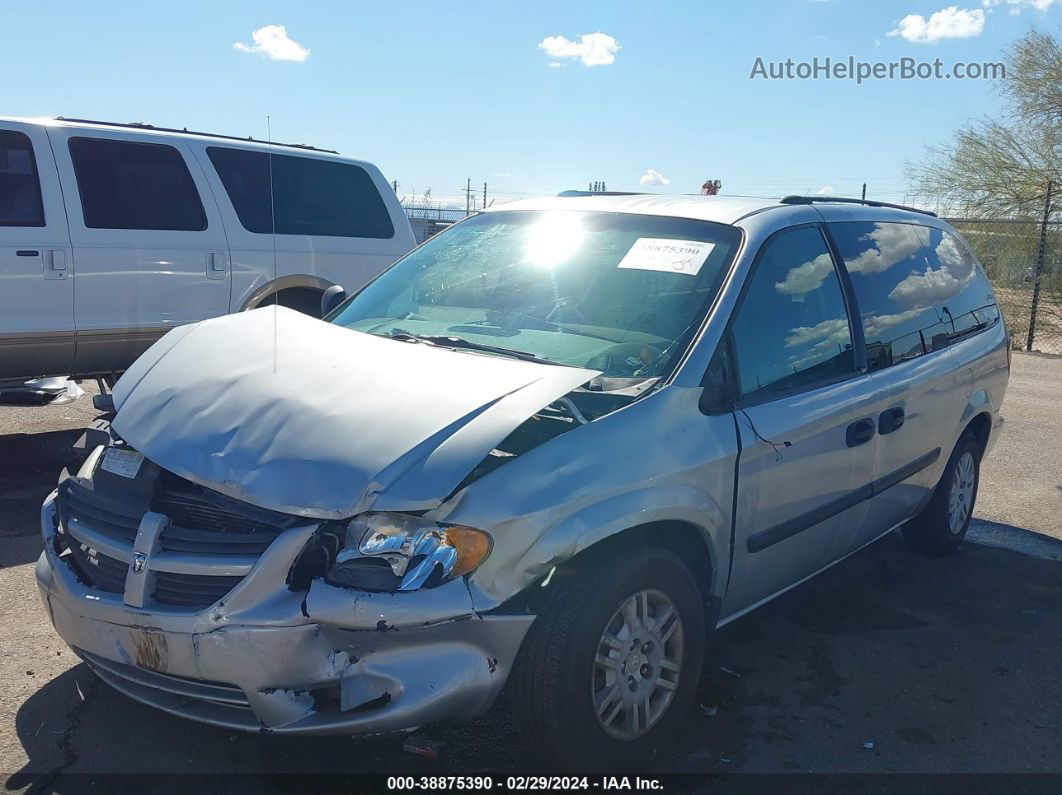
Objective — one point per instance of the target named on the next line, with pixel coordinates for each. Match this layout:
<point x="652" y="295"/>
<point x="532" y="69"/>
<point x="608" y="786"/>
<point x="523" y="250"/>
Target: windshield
<point x="613" y="292"/>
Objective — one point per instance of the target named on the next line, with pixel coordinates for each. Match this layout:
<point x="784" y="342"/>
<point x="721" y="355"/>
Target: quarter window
<point x="792" y="327"/>
<point x="309" y="196"/>
<point x="20" y="188"/>
<point x="129" y="185"/>
<point x="918" y="288"/>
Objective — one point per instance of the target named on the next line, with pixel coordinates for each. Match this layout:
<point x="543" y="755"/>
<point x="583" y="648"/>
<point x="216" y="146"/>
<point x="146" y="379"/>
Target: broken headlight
<point x="397" y="552"/>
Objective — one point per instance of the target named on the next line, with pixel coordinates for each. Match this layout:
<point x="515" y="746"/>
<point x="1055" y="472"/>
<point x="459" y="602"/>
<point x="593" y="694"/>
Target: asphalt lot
<point x="889" y="662"/>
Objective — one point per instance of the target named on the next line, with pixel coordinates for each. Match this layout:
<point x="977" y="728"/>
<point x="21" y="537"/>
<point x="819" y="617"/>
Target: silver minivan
<point x="550" y="450"/>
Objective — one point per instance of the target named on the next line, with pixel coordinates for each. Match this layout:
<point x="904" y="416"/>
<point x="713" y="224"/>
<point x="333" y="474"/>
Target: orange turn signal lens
<point x="472" y="547"/>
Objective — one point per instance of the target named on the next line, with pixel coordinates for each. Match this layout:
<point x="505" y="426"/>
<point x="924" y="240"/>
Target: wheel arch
<point x="297" y="281"/>
<point x="977" y="418"/>
<point x="689" y="541"/>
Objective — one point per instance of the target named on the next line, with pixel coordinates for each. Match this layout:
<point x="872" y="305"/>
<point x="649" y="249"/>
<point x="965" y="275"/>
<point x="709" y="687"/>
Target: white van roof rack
<point x="139" y="125"/>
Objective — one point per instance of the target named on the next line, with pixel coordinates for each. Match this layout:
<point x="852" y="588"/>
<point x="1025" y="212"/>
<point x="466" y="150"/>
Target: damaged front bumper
<point x="265" y="658"/>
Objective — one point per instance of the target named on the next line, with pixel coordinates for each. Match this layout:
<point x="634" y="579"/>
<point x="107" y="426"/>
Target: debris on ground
<point x="421" y="746"/>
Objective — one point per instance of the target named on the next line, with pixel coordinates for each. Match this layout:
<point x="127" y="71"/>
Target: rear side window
<point x="918" y="288"/>
<point x="792" y="327"/>
<point x="127" y="185"/>
<point x="20" y="188"/>
<point x="309" y="196"/>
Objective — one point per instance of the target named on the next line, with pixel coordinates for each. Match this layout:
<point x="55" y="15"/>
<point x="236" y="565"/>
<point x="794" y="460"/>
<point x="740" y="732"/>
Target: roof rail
<point x="139" y="125"/>
<point x="845" y="200"/>
<point x="570" y="193"/>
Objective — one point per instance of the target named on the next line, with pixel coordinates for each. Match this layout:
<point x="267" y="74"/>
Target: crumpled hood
<point x="324" y="422"/>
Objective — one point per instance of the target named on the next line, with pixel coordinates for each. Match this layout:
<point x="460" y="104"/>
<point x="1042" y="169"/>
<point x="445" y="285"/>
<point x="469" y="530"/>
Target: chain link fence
<point x="1024" y="261"/>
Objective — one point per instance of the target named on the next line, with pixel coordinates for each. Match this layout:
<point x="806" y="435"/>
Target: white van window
<point x="792" y="327"/>
<point x="310" y="196"/>
<point x="20" y="189"/>
<point x="127" y="185"/>
<point x="918" y="288"/>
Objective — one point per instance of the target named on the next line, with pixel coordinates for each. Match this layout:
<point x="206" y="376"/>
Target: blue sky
<point x="437" y="92"/>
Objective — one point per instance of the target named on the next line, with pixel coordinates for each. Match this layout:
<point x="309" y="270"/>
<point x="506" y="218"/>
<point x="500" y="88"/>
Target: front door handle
<point x="860" y="432"/>
<point x="890" y="420"/>
<point x="55" y="264"/>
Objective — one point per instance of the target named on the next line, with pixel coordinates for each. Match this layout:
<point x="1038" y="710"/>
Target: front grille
<point x="202" y="523"/>
<point x="191" y="590"/>
<point x="97" y="570"/>
<point x="117" y="518"/>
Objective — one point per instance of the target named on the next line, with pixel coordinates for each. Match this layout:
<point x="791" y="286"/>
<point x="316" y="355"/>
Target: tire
<point x="557" y="676"/>
<point x="941" y="527"/>
<point x="302" y="299"/>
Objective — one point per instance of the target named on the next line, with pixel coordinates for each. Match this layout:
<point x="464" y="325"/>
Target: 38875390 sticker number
<point x="669" y="256"/>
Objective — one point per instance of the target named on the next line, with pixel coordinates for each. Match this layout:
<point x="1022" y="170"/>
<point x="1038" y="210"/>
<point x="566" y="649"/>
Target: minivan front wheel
<point x="612" y="662"/>
<point x="941" y="527"/>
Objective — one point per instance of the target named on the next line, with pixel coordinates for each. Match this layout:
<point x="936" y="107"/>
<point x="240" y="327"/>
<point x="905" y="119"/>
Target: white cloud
<point x="592" y="49"/>
<point x="829" y="332"/>
<point x="920" y="290"/>
<point x="948" y="23"/>
<point x="556" y="64"/>
<point x="804" y="278"/>
<point x="651" y="179"/>
<point x="825" y="190"/>
<point x="932" y="287"/>
<point x="273" y="42"/>
<point x="890" y="243"/>
<point x="876" y="325"/>
<point x="1017" y="5"/>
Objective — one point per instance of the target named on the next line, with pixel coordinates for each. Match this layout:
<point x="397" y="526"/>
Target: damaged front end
<point x="218" y="611"/>
<point x="223" y="598"/>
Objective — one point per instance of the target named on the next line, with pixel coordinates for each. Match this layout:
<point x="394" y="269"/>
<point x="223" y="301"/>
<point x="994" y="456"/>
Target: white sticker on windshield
<point x="671" y="256"/>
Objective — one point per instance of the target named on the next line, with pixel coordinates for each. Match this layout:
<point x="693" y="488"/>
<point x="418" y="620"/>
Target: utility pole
<point x="468" y="196"/>
<point x="1039" y="267"/>
<point x="484" y="195"/>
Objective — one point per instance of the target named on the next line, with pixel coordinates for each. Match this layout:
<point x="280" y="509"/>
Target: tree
<point x="999" y="168"/>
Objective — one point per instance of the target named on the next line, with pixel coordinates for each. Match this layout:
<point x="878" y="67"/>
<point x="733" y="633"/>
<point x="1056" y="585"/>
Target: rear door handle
<point x="890" y="420"/>
<point x="860" y="432"/>
<point x="217" y="264"/>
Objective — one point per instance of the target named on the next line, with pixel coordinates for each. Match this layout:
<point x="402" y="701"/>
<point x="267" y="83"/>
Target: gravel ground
<point x="889" y="662"/>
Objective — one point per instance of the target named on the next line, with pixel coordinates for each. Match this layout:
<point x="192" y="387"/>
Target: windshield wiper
<point x="554" y="324"/>
<point x="446" y="341"/>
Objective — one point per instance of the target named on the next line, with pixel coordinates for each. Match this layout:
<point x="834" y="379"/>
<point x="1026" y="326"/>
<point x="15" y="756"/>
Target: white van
<point x="112" y="234"/>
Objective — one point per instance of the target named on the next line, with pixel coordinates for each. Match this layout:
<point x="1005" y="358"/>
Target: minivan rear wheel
<point x="610" y="666"/>
<point x="941" y="527"/>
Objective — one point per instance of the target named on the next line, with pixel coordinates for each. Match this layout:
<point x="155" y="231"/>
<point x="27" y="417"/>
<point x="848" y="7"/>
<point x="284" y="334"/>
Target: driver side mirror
<point x="718" y="393"/>
<point x="331" y="298"/>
